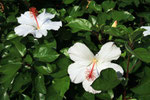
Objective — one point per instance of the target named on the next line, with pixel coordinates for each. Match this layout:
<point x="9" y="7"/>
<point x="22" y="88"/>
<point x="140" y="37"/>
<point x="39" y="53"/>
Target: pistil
<point x="34" y="13"/>
<point x="90" y="73"/>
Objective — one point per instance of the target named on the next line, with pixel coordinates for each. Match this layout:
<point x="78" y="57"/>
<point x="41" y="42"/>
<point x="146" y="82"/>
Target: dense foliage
<point x="36" y="69"/>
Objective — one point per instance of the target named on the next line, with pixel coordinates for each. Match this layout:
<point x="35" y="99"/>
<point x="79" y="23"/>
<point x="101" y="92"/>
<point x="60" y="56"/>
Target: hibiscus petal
<point x="147" y="32"/>
<point x="23" y="30"/>
<point x="45" y="16"/>
<point x="80" y="54"/>
<point x="27" y="18"/>
<point x="116" y="67"/>
<point x="87" y="86"/>
<point x="76" y="72"/>
<point x="49" y="25"/>
<point x="39" y="33"/>
<point x="108" y="52"/>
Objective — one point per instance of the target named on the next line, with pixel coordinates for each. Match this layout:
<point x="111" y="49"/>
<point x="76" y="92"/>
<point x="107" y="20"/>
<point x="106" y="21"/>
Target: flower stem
<point x="128" y="62"/>
<point x="127" y="73"/>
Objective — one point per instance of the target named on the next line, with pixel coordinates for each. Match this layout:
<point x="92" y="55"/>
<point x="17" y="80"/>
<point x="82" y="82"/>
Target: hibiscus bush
<point x="74" y="50"/>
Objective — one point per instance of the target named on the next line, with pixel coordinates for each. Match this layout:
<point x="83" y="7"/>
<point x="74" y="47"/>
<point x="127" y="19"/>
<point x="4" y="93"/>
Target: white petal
<point x="49" y="25"/>
<point x="109" y="51"/>
<point x="23" y="30"/>
<point x="76" y="72"/>
<point x="45" y="16"/>
<point x="27" y="18"/>
<point x="88" y="82"/>
<point x="147" y="32"/>
<point x="105" y="65"/>
<point x="39" y="33"/>
<point x="81" y="54"/>
<point x="87" y="86"/>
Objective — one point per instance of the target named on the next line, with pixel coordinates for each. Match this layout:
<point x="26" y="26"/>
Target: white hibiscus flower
<point x="147" y="32"/>
<point x="87" y="67"/>
<point x="31" y="23"/>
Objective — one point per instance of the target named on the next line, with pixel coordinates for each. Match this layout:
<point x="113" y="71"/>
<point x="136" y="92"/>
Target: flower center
<point x="90" y="73"/>
<point x="34" y="13"/>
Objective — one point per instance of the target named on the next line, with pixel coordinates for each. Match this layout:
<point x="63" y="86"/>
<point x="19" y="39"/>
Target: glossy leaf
<point x="21" y="80"/>
<point x="142" y="54"/>
<point x="80" y="24"/>
<point x="108" y="5"/>
<point x="20" y="47"/>
<point x="94" y="6"/>
<point x="68" y="1"/>
<point x="103" y="82"/>
<point x="45" y="70"/>
<point x="64" y="82"/>
<point x="45" y="53"/>
<point x="122" y="15"/>
<point x="40" y="84"/>
<point x="8" y="71"/>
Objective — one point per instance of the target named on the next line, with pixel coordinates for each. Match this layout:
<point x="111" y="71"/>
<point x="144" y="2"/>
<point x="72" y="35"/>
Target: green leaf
<point x="75" y="11"/>
<point x="80" y="24"/>
<point x="68" y="1"/>
<point x="4" y="96"/>
<point x="93" y="19"/>
<point x="51" y="10"/>
<point x="59" y="74"/>
<point x="9" y="71"/>
<point x="62" y="12"/>
<point x="137" y="34"/>
<point x="69" y="18"/>
<point x="108" y="5"/>
<point x="143" y="54"/>
<point x="40" y="84"/>
<point x="45" y="70"/>
<point x="45" y="53"/>
<point x="95" y="7"/>
<point x="39" y="96"/>
<point x="64" y="83"/>
<point x="128" y="48"/>
<point x="20" y="47"/>
<point x="103" y="96"/>
<point x="119" y="31"/>
<point x="108" y="80"/>
<point x="85" y="96"/>
<point x="12" y="35"/>
<point x="120" y="97"/>
<point x="65" y="52"/>
<point x="26" y="97"/>
<point x="28" y="59"/>
<point x="142" y="89"/>
<point x="63" y="64"/>
<point x="145" y="15"/>
<point x="54" y="95"/>
<point x="11" y="19"/>
<point x="1" y="46"/>
<point x="21" y="80"/>
<point x="55" y="89"/>
<point x="122" y="15"/>
<point x="102" y="17"/>
<point x="133" y="62"/>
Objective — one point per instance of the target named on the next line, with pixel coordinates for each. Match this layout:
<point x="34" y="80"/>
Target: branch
<point x="134" y="66"/>
<point x="97" y="35"/>
<point x="89" y="1"/>
<point x="2" y="7"/>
